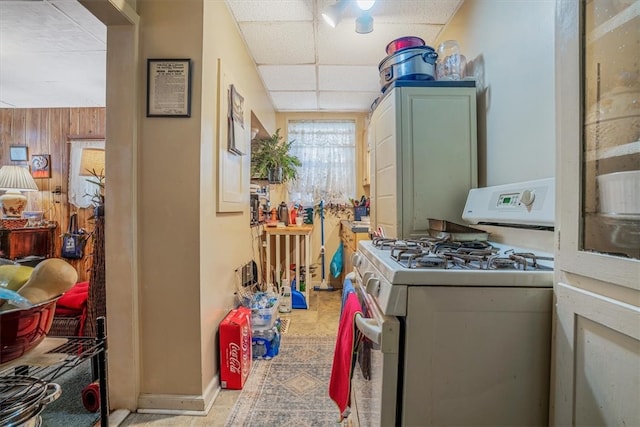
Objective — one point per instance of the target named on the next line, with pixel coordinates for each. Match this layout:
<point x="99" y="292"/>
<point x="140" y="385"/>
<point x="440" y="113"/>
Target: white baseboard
<point x="180" y="404"/>
<point x="117" y="417"/>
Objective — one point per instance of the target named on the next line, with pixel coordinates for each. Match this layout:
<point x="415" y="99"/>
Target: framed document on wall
<point x="168" y="88"/>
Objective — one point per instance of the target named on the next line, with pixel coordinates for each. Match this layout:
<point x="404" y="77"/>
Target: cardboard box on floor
<point x="235" y="348"/>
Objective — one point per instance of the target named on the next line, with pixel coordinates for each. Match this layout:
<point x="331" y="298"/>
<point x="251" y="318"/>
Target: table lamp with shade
<point x="14" y="179"/>
<point x="92" y="162"/>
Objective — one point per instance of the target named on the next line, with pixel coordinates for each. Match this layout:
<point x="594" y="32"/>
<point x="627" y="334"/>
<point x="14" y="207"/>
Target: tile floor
<point x="321" y="319"/>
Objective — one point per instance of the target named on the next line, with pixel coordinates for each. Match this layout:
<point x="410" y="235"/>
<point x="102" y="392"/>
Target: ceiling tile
<point x="294" y="101"/>
<point x="342" y="45"/>
<point x="346" y="101"/>
<point x="288" y="77"/>
<point x="272" y="10"/>
<point x="280" y="43"/>
<point x="77" y="79"/>
<point x="348" y="78"/>
<point x="414" y="11"/>
<point x="59" y="67"/>
<point x="40" y="27"/>
<point x="81" y="17"/>
<point x="48" y="94"/>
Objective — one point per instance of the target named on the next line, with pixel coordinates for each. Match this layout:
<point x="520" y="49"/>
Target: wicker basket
<point x="64" y="326"/>
<point x="12" y="224"/>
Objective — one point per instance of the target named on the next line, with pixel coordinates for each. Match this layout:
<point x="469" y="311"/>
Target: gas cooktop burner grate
<point x="435" y="253"/>
<point x="517" y="261"/>
<point x="468" y="261"/>
<point x="429" y="261"/>
<point x="399" y="252"/>
<point x="442" y="247"/>
<point x="499" y="262"/>
<point x="383" y="242"/>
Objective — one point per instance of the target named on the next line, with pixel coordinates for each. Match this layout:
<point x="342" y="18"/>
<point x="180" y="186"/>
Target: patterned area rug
<point x="291" y="389"/>
<point x="284" y="325"/>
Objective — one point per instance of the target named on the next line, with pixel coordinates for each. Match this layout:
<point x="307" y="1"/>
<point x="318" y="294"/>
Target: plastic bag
<point x="336" y="261"/>
<point x="14" y="298"/>
<point x="73" y="240"/>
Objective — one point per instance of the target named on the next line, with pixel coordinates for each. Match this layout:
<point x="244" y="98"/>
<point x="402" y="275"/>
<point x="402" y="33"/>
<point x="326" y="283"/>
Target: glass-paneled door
<point x="596" y="349"/>
<point x="611" y="127"/>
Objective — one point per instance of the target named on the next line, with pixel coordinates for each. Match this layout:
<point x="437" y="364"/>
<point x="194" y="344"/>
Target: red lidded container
<point x="403" y="43"/>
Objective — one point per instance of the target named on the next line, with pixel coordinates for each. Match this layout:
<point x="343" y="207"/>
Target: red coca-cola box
<point x="235" y="348"/>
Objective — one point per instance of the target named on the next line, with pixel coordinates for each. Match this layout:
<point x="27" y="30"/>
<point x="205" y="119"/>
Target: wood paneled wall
<point x="47" y="131"/>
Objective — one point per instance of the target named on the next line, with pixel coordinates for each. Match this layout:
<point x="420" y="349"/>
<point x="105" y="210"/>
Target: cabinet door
<point x="384" y="184"/>
<point x="596" y="353"/>
<point x="439" y="159"/>
<point x="24" y="242"/>
<point x="366" y="157"/>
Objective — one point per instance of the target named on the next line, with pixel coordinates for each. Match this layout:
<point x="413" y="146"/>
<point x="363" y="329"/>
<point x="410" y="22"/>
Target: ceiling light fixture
<point x="333" y="13"/>
<point x="364" y="23"/>
<point x="365" y="4"/>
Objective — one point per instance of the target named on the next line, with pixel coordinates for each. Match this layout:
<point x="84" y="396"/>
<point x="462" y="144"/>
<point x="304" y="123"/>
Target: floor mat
<point x="68" y="409"/>
<point x="291" y="389"/>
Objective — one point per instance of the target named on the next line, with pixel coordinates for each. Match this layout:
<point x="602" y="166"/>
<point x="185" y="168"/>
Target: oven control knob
<point x="373" y="286"/>
<point x="356" y="259"/>
<point x="527" y="197"/>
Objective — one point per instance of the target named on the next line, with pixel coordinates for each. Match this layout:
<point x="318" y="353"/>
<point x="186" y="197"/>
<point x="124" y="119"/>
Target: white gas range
<point x="463" y="328"/>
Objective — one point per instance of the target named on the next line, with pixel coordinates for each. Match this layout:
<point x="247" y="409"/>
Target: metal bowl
<point x="22" y="329"/>
<point x="22" y="398"/>
<point x="416" y="63"/>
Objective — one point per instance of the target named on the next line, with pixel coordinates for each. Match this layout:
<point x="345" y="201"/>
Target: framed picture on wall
<point x="19" y="153"/>
<point x="236" y="137"/>
<point x="41" y="166"/>
<point x="168" y="88"/>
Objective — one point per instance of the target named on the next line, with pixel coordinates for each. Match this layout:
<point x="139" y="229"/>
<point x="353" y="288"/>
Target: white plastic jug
<point x="285" y="299"/>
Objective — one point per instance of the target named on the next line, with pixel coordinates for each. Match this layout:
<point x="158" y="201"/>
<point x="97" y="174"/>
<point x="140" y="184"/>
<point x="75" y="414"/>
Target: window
<point x="327" y="150"/>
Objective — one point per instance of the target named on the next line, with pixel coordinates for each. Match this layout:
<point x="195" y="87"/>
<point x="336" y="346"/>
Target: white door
<point x="596" y="351"/>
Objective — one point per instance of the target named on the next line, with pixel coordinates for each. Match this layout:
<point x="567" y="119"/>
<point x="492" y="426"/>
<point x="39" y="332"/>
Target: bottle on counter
<point x="285" y="298"/>
<point x="283" y="213"/>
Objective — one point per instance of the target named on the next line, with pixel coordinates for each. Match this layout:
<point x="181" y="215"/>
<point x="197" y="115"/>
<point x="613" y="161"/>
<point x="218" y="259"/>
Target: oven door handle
<point x="369" y="327"/>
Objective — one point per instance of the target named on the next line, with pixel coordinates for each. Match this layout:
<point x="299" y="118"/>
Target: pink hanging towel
<point x="345" y="354"/>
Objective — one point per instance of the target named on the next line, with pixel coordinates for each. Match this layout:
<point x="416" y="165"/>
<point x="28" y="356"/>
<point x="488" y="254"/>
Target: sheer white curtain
<point x="327" y="150"/>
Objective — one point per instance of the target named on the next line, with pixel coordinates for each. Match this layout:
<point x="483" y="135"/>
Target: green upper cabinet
<point x="424" y="156"/>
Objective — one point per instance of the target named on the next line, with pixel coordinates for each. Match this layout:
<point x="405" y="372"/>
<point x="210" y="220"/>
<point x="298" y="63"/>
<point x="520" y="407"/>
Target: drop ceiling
<point x="52" y="52"/>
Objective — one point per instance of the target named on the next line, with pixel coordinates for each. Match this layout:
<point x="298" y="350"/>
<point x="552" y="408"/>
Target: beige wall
<point x="509" y="46"/>
<point x="188" y="251"/>
<point x="226" y="238"/>
<point x="169" y="214"/>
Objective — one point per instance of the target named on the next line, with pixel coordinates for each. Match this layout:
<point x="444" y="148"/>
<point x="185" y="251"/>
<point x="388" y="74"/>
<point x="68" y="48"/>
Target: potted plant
<point x="271" y="159"/>
<point x="97" y="198"/>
